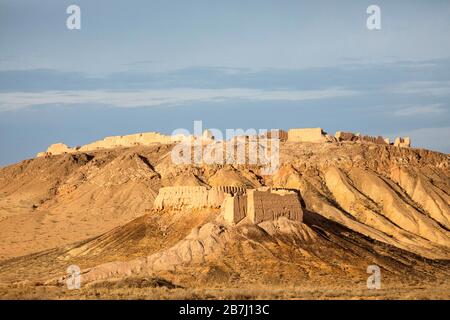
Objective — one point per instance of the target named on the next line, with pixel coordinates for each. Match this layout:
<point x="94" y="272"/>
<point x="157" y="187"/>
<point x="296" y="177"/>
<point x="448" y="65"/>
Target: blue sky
<point x="159" y="65"/>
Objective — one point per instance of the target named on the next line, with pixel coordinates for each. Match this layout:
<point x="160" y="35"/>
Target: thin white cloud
<point x="420" y="110"/>
<point x="139" y="98"/>
<point x="429" y="88"/>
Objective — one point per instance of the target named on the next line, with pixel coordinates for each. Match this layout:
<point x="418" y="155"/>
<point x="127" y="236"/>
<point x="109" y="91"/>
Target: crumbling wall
<point x="376" y="140"/>
<point x="350" y="136"/>
<point x="403" y="142"/>
<point x="277" y="133"/>
<point x="181" y="197"/>
<point x="307" y="135"/>
<point x="145" y="138"/>
<point x="236" y="203"/>
<point x="262" y="204"/>
<point x="346" y="136"/>
<point x="57" y="148"/>
<point x="194" y="196"/>
<point x="131" y="140"/>
<point x="270" y="205"/>
<point x="216" y="195"/>
<point x="234" y="208"/>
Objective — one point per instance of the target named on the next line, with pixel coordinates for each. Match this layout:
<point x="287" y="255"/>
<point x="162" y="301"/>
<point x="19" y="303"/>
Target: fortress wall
<point x="349" y="136"/>
<point x="131" y="140"/>
<point x="214" y="198"/>
<point x="307" y="135"/>
<point x="235" y="203"/>
<point x="231" y="189"/>
<point x="234" y="208"/>
<point x="148" y="138"/>
<point x="181" y="197"/>
<point x="216" y="195"/>
<point x="403" y="142"/>
<point x="194" y="197"/>
<point x="377" y="140"/>
<point x="145" y="138"/>
<point x="281" y="134"/>
<point x="267" y="205"/>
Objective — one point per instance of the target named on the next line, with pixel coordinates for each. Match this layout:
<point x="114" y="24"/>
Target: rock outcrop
<point x="346" y="136"/>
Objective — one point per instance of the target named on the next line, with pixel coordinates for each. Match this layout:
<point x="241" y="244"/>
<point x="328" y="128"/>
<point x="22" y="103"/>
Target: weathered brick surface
<point x="262" y="205"/>
<point x="307" y="135"/>
<point x="194" y="197"/>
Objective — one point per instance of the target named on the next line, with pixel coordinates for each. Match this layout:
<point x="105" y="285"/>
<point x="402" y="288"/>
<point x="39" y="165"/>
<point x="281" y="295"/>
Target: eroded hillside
<point x="364" y="203"/>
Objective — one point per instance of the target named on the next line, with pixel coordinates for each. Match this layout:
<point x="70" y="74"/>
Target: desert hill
<point x="364" y="203"/>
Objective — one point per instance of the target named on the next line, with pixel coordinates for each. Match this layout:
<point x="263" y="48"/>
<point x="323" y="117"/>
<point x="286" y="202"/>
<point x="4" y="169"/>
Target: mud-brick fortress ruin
<point x="235" y="203"/>
<point x="308" y="135"/>
<point x="262" y="204"/>
<point x="132" y="140"/>
<point x="194" y="197"/>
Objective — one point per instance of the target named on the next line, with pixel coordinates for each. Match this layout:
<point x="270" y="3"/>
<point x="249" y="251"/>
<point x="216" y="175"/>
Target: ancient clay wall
<point x="377" y="140"/>
<point x="230" y="189"/>
<point x="181" y="197"/>
<point x="277" y="133"/>
<point x="307" y="135"/>
<point x="146" y="138"/>
<point x="236" y="203"/>
<point x="261" y="206"/>
<point x="194" y="197"/>
<point x="234" y="208"/>
<point x="216" y="195"/>
<point x="131" y="140"/>
<point x="349" y="136"/>
<point x="270" y="205"/>
<point x="404" y="142"/>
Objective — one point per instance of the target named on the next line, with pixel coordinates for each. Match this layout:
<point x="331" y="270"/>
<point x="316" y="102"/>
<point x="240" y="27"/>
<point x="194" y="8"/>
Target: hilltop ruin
<point x="302" y="135"/>
<point x="143" y="139"/>
<point x="236" y="203"/>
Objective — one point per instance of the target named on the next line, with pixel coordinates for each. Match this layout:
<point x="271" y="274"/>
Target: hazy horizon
<point x="160" y="65"/>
